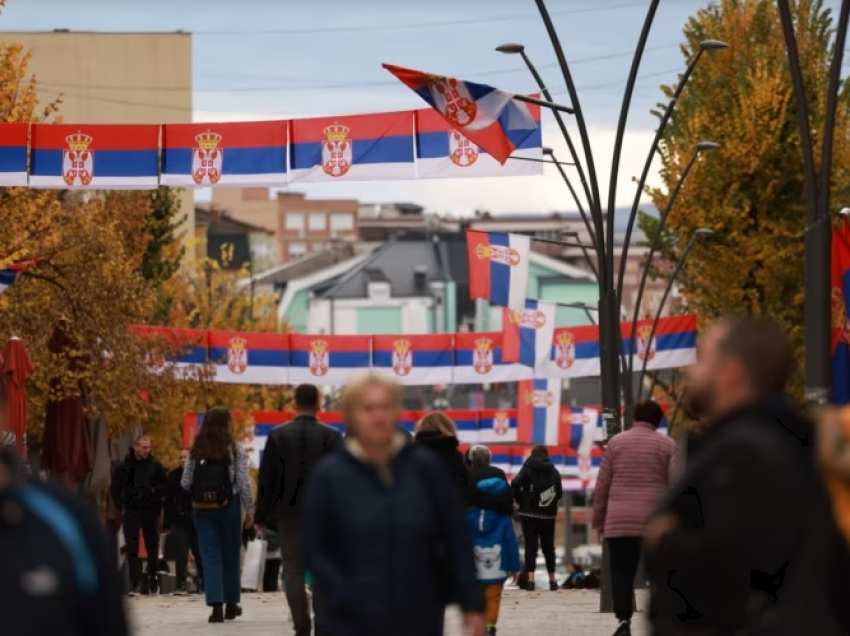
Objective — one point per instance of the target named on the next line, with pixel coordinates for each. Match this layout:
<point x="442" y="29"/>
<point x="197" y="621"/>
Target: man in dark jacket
<point x="291" y="454"/>
<point x="745" y="541"/>
<point x="58" y="574"/>
<point x="177" y="521"/>
<point x="138" y="490"/>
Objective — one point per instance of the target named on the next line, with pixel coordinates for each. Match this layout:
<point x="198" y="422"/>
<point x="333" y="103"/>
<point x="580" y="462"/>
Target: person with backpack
<point x="217" y="478"/>
<point x="637" y="471"/>
<point x="746" y="542"/>
<point x="139" y="485"/>
<point x="537" y="490"/>
<point x="291" y="455"/>
<point x="493" y="539"/>
<point x="177" y="522"/>
<point x="384" y="528"/>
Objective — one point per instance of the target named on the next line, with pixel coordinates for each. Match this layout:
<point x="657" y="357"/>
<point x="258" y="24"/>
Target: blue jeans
<point x="220" y="541"/>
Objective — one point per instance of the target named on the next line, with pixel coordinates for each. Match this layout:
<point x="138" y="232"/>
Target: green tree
<point x="752" y="191"/>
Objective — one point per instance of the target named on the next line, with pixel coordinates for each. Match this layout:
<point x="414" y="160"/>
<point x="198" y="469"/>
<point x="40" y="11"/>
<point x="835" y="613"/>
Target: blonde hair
<point x="354" y="390"/>
<point x="437" y="422"/>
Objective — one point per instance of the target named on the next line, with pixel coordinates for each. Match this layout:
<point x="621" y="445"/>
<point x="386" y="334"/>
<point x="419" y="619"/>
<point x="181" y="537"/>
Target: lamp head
<point x="511" y="49"/>
<point x="702" y="232"/>
<point x="548" y="151"/>
<point x="713" y="45"/>
<point x="705" y="146"/>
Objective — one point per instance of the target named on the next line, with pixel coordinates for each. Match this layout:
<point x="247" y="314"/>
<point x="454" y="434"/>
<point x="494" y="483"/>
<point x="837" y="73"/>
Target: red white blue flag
<point x="489" y="117"/>
<point x="415" y="360"/>
<point x="528" y="334"/>
<point x="674" y="343"/>
<point x="249" y="358"/>
<point x="574" y="354"/>
<point x="840" y="322"/>
<point x="478" y="360"/>
<point x="225" y="154"/>
<point x="13" y="154"/>
<point x="539" y="411"/>
<point x="328" y="360"/>
<point x="498" y="267"/>
<point x="497" y="426"/>
<point x="94" y="157"/>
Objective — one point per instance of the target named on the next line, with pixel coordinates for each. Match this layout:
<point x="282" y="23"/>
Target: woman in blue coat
<point x="384" y="529"/>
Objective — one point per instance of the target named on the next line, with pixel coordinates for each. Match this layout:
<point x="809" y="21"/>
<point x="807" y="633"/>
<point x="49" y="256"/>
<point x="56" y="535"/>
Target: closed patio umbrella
<point x="16" y="369"/>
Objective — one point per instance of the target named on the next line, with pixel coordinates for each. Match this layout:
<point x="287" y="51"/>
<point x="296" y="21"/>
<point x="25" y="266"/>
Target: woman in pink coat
<point x="638" y="469"/>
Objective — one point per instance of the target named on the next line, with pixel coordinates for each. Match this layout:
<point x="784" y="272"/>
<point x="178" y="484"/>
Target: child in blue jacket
<point x="493" y="538"/>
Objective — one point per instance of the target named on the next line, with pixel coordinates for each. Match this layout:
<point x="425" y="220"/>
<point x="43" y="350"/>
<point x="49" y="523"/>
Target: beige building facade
<point x="115" y="78"/>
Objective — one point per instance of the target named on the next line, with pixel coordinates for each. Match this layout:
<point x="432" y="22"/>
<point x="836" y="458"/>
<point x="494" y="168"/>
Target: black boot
<point x="217" y="615"/>
<point x="624" y="629"/>
<point x="231" y="611"/>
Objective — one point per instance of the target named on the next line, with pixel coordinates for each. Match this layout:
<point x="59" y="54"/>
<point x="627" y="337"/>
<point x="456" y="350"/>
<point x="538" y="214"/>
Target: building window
<point x="342" y="221"/>
<point x="294" y="221"/>
<point x="317" y="221"/>
<point x="297" y="250"/>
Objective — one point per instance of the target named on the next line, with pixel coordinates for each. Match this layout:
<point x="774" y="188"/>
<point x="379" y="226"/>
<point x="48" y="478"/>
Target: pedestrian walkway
<point x="573" y="613"/>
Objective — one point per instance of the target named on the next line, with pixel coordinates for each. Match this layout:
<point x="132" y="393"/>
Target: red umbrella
<point x="16" y="369"/>
<point x="66" y="447"/>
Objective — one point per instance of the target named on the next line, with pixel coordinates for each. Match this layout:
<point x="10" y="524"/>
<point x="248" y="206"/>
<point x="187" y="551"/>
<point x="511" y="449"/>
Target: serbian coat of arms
<point x="402" y="357"/>
<point x="319" y="358"/>
<point x="78" y="160"/>
<point x="207" y="159"/>
<point x="337" y="151"/>
<point x="237" y="356"/>
<point x="482" y="360"/>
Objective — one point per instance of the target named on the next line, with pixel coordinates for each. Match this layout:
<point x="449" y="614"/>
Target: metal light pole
<point x="697" y="234"/>
<point x="611" y="342"/>
<point x="818" y="239"/>
<point x="703" y="146"/>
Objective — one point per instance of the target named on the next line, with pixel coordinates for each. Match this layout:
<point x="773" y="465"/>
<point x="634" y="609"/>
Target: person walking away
<point x="480" y="468"/>
<point x="291" y="455"/>
<point x="217" y="478"/>
<point x="384" y="528"/>
<point x="58" y="574"/>
<point x="493" y="539"/>
<point x="537" y="489"/>
<point x="745" y="541"/>
<point x="177" y="521"/>
<point x="637" y="471"/>
<point x="138" y="489"/>
<point x="437" y="432"/>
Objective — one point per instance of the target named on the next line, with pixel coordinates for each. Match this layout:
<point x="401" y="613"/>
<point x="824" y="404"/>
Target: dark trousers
<point x="271" y="575"/>
<point x="219" y="534"/>
<point x="624" y="555"/>
<point x="540" y="531"/>
<point x="145" y="521"/>
<point x="293" y="580"/>
<point x="185" y="538"/>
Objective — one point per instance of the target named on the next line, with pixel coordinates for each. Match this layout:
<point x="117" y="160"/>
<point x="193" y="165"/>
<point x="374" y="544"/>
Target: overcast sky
<point x="267" y="59"/>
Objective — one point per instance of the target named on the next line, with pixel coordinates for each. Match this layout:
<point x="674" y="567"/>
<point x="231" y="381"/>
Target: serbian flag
<point x="539" y="411"/>
<point x="674" y="343"/>
<point x="467" y="425"/>
<point x="498" y="267"/>
<point x="840" y="322"/>
<point x="497" y="426"/>
<point x="328" y="360"/>
<point x="183" y="350"/>
<point x="489" y="117"/>
<point x="527" y="335"/>
<point x="583" y="427"/>
<point x="94" y="157"/>
<point x="9" y="275"/>
<point x="415" y="360"/>
<point x="574" y="353"/>
<point x="251" y="153"/>
<point x="408" y="420"/>
<point x="13" y="154"/>
<point x="249" y="358"/>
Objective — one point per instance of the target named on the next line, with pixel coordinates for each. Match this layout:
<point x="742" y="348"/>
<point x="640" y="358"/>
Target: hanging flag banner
<point x="95" y="157"/>
<point x="467" y="425"/>
<point x="328" y="360"/>
<point x="443" y="152"/>
<point x="528" y="334"/>
<point x="574" y="353"/>
<point x="539" y="411"/>
<point x="497" y="426"/>
<point x="478" y="360"/>
<point x="415" y="360"/>
<point x="182" y="350"/>
<point x="225" y="154"/>
<point x="13" y="154"/>
<point x="498" y="267"/>
<point x="249" y="358"/>
<point x="673" y="345"/>
<point x="487" y="116"/>
<point x="353" y="148"/>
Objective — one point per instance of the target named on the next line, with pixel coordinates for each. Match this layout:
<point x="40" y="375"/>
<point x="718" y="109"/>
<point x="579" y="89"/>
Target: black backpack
<point x="542" y="488"/>
<point x="212" y="487"/>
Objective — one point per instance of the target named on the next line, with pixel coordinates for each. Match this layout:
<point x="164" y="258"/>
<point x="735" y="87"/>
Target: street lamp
<point x="696" y="235"/>
<point x="703" y="146"/>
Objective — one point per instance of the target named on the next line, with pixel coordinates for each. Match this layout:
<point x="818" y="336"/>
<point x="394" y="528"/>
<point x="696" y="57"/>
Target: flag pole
<point x="544" y="103"/>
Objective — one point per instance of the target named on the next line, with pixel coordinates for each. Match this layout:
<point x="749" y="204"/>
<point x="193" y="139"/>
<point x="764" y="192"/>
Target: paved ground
<point x="573" y="613"/>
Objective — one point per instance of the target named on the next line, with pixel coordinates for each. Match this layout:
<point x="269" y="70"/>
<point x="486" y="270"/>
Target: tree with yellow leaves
<point x="751" y="192"/>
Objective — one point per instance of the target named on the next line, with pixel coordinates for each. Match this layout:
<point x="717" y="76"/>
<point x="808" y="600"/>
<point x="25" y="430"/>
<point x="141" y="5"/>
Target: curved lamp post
<point x="697" y="234"/>
<point x="703" y="146"/>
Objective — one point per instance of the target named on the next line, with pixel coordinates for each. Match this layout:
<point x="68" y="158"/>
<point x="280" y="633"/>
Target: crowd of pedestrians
<point x="384" y="531"/>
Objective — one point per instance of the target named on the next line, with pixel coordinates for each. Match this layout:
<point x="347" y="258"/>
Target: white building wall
<point x="414" y="314"/>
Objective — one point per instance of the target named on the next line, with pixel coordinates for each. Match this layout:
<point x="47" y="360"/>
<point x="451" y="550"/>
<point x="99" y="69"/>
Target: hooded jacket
<point x="537" y="488"/>
<point x="493" y="539"/>
<point x="452" y="458"/>
<point x="139" y="484"/>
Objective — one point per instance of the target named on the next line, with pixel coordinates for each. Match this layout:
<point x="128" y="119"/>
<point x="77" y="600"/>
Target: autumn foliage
<point x="751" y="192"/>
<point x="113" y="262"/>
